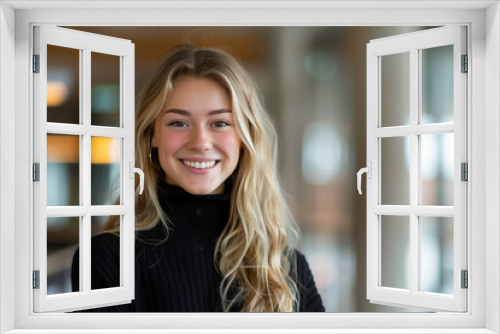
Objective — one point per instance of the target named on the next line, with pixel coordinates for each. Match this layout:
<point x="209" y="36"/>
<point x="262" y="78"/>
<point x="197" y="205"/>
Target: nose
<point x="200" y="139"/>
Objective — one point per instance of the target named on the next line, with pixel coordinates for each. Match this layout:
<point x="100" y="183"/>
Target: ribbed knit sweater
<point x="179" y="275"/>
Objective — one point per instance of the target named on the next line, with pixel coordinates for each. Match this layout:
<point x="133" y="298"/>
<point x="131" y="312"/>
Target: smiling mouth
<point x="200" y="165"/>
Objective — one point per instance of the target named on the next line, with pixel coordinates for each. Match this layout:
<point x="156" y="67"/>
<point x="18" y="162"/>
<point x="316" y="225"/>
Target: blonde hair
<point x="254" y="254"/>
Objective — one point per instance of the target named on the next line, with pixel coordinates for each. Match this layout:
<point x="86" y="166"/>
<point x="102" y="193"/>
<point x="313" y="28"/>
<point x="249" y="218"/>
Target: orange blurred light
<point x="63" y="149"/>
<point x="57" y="93"/>
<point x="105" y="150"/>
<point x="66" y="149"/>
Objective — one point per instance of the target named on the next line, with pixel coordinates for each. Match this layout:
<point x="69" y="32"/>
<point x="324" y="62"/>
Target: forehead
<point x="197" y="95"/>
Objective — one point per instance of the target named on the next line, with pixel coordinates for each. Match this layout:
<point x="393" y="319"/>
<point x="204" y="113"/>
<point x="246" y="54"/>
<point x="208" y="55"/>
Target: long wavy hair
<point x="254" y="253"/>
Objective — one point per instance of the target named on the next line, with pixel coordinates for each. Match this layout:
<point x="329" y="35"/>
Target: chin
<point x="200" y="190"/>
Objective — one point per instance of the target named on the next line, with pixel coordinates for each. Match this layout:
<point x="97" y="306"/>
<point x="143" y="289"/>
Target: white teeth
<point x="198" y="165"/>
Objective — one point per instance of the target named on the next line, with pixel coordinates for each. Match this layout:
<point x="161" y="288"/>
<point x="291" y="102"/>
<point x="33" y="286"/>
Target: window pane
<point x="62" y="242"/>
<point x="63" y="173"/>
<point x="437" y="84"/>
<point x="105" y="170"/>
<point x="395" y="89"/>
<point x="105" y="89"/>
<point x="63" y="85"/>
<point x="437" y="169"/>
<point x="395" y="249"/>
<point x="395" y="171"/>
<point x="437" y="254"/>
<point x="105" y="252"/>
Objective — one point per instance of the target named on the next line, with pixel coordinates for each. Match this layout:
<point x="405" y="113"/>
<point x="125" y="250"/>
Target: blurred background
<point x="313" y="80"/>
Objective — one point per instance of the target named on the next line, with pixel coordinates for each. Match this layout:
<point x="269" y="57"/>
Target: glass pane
<point x="437" y="84"/>
<point x="437" y="255"/>
<point x="63" y="85"/>
<point x="437" y="169"/>
<point x="63" y="173"/>
<point x="62" y="242"/>
<point x="105" y="252"/>
<point x="395" y="170"/>
<point x="395" y="249"/>
<point x="105" y="171"/>
<point x="395" y="89"/>
<point x="105" y="89"/>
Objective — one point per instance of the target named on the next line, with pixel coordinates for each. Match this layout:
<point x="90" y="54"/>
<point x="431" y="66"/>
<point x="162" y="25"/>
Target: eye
<point x="221" y="124"/>
<point x="178" y="124"/>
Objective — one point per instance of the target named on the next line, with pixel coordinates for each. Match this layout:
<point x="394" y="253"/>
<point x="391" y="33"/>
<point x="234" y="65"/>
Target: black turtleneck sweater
<point x="179" y="275"/>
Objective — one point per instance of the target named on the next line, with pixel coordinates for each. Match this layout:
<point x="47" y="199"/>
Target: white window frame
<point x="413" y="44"/>
<point x="85" y="43"/>
<point x="16" y="215"/>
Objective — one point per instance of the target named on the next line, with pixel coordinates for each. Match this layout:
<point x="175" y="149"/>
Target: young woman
<point x="213" y="230"/>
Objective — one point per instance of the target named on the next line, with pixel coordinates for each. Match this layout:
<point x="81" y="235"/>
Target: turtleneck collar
<point x="195" y="220"/>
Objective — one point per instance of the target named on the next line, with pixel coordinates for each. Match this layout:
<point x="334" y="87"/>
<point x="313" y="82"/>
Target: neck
<point x="194" y="220"/>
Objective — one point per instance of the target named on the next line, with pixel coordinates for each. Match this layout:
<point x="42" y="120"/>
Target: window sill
<point x="248" y="331"/>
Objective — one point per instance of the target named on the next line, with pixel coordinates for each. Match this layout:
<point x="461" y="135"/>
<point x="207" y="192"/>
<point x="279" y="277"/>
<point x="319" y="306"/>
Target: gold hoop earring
<point x="154" y="165"/>
<point x="150" y="158"/>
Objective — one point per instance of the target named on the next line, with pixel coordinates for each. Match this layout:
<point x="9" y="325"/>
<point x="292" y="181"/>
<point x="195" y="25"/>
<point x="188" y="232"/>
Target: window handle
<point x="139" y="171"/>
<point x="367" y="170"/>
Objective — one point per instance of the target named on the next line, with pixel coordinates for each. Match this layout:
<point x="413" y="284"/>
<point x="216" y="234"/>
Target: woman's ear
<point x="153" y="140"/>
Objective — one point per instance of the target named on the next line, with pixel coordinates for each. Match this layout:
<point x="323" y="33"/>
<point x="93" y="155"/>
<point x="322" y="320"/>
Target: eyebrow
<point x="187" y="113"/>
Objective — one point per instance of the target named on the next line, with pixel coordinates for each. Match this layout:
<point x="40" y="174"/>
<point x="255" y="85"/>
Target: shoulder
<point x="105" y="262"/>
<point x="106" y="239"/>
<point x="105" y="244"/>
<point x="300" y="268"/>
<point x="309" y="298"/>
<point x="104" y="248"/>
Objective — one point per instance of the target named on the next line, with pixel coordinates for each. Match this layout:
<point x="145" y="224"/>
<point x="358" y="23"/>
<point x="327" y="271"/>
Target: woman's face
<point x="198" y="147"/>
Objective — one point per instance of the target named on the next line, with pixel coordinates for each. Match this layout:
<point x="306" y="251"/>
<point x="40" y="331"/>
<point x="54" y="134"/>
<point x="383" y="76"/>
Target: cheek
<point x="170" y="143"/>
<point x="230" y="142"/>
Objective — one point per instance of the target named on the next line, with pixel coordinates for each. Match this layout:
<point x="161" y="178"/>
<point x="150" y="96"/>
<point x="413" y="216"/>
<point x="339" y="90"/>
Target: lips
<point x="200" y="160"/>
<point x="199" y="164"/>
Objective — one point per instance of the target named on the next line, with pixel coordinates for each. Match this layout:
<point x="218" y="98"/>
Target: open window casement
<point x="417" y="172"/>
<point x="93" y="137"/>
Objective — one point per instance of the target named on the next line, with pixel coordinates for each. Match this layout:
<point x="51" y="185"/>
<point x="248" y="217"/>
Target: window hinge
<point x="464" y="171"/>
<point x="36" y="279"/>
<point x="36" y="63"/>
<point x="465" y="279"/>
<point x="465" y="64"/>
<point x="36" y="172"/>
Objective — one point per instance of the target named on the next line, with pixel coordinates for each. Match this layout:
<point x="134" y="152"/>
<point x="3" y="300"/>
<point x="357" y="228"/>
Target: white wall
<point x="7" y="160"/>
<point x="492" y="162"/>
<point x="7" y="155"/>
